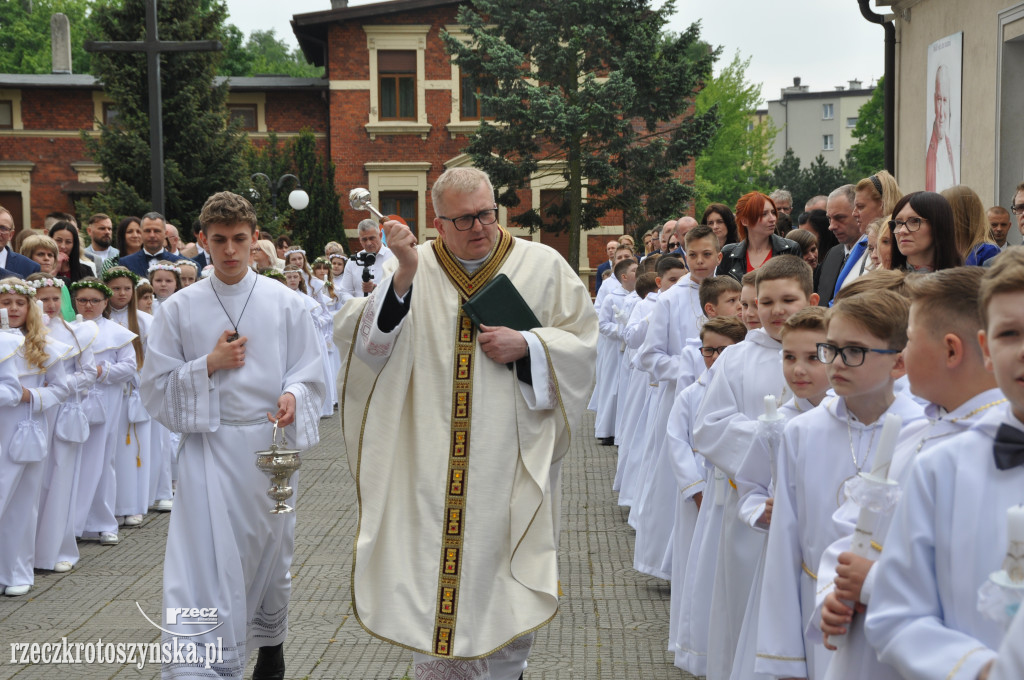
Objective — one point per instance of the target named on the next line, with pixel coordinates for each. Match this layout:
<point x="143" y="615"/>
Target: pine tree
<point x="591" y="91"/>
<point x="203" y="149"/>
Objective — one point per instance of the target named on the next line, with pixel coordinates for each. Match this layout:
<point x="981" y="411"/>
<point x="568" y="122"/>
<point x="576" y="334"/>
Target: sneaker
<point x="62" y="566"/>
<point x="133" y="520"/>
<point x="15" y="591"/>
<point x="164" y="505"/>
<point x="108" y="538"/>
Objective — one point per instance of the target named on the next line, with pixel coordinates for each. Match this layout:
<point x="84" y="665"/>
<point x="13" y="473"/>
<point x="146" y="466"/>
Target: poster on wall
<point x="945" y="70"/>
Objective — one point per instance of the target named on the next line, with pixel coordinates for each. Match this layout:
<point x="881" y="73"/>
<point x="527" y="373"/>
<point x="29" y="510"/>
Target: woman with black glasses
<point x="923" y="233"/>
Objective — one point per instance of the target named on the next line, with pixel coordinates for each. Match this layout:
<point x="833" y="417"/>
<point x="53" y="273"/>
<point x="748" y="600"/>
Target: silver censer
<point x="279" y="464"/>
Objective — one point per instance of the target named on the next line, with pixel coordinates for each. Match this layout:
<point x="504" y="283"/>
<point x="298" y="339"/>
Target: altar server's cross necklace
<point x="234" y="336"/>
<point x="966" y="416"/>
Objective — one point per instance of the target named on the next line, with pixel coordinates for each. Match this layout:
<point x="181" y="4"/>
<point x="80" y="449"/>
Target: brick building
<point x="399" y="115"/>
<point x="44" y="165"/>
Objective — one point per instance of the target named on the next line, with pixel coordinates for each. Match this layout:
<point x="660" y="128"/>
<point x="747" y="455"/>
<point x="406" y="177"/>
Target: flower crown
<point x="336" y="255"/>
<point x="275" y="274"/>
<point x="118" y="272"/>
<point x="95" y="285"/>
<point x="157" y="265"/>
<point x="46" y="283"/>
<point x="141" y="281"/>
<point x="294" y="250"/>
<point x="321" y="260"/>
<point x="26" y="289"/>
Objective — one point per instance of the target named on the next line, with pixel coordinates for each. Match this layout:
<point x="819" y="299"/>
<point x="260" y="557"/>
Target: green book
<point x="498" y="303"/>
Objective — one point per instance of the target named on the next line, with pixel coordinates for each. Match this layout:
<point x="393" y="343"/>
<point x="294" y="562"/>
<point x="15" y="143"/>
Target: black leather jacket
<point x="734" y="255"/>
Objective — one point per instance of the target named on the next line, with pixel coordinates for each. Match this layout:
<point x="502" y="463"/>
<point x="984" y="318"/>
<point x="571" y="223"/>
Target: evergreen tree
<point x="203" y="149"/>
<point x="738" y="159"/>
<point x="591" y="91"/>
<point x="274" y="160"/>
<point x="820" y="178"/>
<point x="867" y="155"/>
<point x="788" y="175"/>
<point x="25" y="45"/>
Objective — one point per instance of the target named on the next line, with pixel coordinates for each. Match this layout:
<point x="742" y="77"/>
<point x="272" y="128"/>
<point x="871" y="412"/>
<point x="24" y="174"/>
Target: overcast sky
<point x="825" y="42"/>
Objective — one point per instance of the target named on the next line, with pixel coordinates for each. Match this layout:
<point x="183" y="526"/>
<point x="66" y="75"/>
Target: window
<point x="750" y="126"/>
<point x="396" y="71"/>
<point x="851" y="122"/>
<point x="246" y="113"/>
<point x="472" y="107"/>
<point x="828" y="143"/>
<point x="6" y="114"/>
<point x="400" y="203"/>
<point x="110" y="115"/>
<point x="828" y="111"/>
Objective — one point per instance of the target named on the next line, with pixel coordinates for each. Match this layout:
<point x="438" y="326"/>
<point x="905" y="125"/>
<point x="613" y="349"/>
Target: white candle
<point x="79" y="318"/>
<point x="3" y="319"/>
<point x="886" y="446"/>
<point x="1015" y="524"/>
<point x="771" y="408"/>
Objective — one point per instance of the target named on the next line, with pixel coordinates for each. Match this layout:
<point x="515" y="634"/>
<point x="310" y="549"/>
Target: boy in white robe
<point x="820" y="451"/>
<point x="607" y="351"/>
<point x="807" y="379"/>
<point x="945" y="367"/>
<point x="654" y="513"/>
<point x="609" y="325"/>
<point x="228" y="357"/>
<point x="949" y="530"/>
<point x="685" y="471"/>
<point x="671" y="271"/>
<point x="625" y="357"/>
<point x="727" y="421"/>
<point x="638" y="383"/>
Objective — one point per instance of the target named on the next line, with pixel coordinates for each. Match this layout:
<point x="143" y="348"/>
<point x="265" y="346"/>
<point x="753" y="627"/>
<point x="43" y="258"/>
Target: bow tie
<point x="1008" y="447"/>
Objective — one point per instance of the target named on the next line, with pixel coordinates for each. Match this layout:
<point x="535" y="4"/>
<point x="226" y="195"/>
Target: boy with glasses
<point x="820" y="451"/>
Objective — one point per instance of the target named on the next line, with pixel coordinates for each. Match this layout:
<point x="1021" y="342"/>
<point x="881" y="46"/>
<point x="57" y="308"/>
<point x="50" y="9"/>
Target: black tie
<point x="1008" y="447"/>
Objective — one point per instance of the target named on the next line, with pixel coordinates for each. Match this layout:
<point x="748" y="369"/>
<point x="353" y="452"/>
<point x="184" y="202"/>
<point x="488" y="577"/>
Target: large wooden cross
<point x="153" y="47"/>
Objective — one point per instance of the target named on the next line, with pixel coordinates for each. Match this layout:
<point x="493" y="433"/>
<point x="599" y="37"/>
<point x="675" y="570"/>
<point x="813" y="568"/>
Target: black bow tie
<point x="1008" y="447"/>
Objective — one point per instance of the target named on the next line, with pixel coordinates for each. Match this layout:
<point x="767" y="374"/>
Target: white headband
<point x="46" y="283"/>
<point x="157" y="265"/>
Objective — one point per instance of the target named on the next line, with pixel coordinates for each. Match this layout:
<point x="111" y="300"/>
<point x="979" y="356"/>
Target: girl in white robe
<point x="323" y="322"/>
<point x="56" y="547"/>
<point x="43" y="388"/>
<point x="95" y="481"/>
<point x="134" y="458"/>
<point x="331" y="303"/>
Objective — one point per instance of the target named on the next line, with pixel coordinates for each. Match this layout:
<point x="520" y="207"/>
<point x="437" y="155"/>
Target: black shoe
<point x="269" y="663"/>
<point x="608" y="441"/>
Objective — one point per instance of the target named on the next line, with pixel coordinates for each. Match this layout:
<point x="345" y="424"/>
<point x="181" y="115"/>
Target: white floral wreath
<point x="21" y="289"/>
<point x="156" y="265"/>
<point x="294" y="250"/>
<point x="46" y="283"/>
<point x="333" y="256"/>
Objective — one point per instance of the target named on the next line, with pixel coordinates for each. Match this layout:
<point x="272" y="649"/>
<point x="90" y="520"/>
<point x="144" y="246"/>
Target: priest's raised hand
<point x="402" y="243"/>
<point x="227" y="353"/>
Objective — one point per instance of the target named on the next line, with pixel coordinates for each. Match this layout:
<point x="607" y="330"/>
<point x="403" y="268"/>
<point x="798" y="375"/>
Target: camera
<point x="365" y="260"/>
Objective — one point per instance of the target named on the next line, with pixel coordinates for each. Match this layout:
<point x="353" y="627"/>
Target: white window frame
<point x="828" y="111"/>
<point x="828" y="142"/>
<point x="851" y="121"/>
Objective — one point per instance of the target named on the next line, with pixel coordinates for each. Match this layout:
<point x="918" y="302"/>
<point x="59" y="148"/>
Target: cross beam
<point x="153" y="48"/>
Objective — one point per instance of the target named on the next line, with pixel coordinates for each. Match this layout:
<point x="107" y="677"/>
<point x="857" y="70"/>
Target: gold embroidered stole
<point x="453" y="530"/>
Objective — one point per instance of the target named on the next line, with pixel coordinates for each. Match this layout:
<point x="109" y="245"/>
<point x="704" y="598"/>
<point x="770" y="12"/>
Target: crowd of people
<point x="748" y="384"/>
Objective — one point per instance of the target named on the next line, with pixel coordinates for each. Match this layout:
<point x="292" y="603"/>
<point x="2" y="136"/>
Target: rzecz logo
<point x="191" y="616"/>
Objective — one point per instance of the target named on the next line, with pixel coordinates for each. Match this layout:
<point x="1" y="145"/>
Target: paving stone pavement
<point x="613" y="621"/>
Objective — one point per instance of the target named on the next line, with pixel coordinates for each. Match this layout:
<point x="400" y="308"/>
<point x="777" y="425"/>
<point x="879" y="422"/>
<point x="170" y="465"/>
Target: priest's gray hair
<point x="459" y="180"/>
<point x="368" y="225"/>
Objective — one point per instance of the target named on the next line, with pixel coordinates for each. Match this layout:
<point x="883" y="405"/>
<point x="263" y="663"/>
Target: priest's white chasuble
<point x="455" y="458"/>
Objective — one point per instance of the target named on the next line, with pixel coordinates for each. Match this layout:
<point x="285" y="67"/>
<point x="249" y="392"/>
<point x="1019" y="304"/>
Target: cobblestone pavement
<point x="613" y="622"/>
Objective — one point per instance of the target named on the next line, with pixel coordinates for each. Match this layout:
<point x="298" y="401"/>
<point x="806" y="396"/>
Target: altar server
<point x="611" y="317"/>
<point x="25" y="434"/>
<point x="949" y="532"/>
<point x="820" y="451"/>
<point x="727" y="421"/>
<point x="229" y="356"/>
<point x="607" y="356"/>
<point x="945" y="367"/>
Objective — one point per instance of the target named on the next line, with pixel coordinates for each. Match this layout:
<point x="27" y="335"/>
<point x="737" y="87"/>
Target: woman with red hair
<point x="755" y="220"/>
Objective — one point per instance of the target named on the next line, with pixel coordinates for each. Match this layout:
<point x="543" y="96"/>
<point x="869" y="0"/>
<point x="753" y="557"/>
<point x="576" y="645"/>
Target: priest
<point x="229" y="356"/>
<point x="455" y="434"/>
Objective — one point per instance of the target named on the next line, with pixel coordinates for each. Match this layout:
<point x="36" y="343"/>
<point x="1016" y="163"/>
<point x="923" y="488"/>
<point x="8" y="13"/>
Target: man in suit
<point x="154" y="232"/>
<point x="100" y="229"/>
<point x="10" y="261"/>
<point x="844" y="225"/>
<point x="200" y="259"/>
<point x="606" y="265"/>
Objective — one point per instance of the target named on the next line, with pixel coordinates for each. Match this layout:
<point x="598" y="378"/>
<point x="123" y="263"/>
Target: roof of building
<point x="311" y="28"/>
<point x="826" y="94"/>
<point x="83" y="81"/>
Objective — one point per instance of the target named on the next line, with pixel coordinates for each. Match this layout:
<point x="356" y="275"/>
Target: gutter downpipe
<point x="889" y="104"/>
